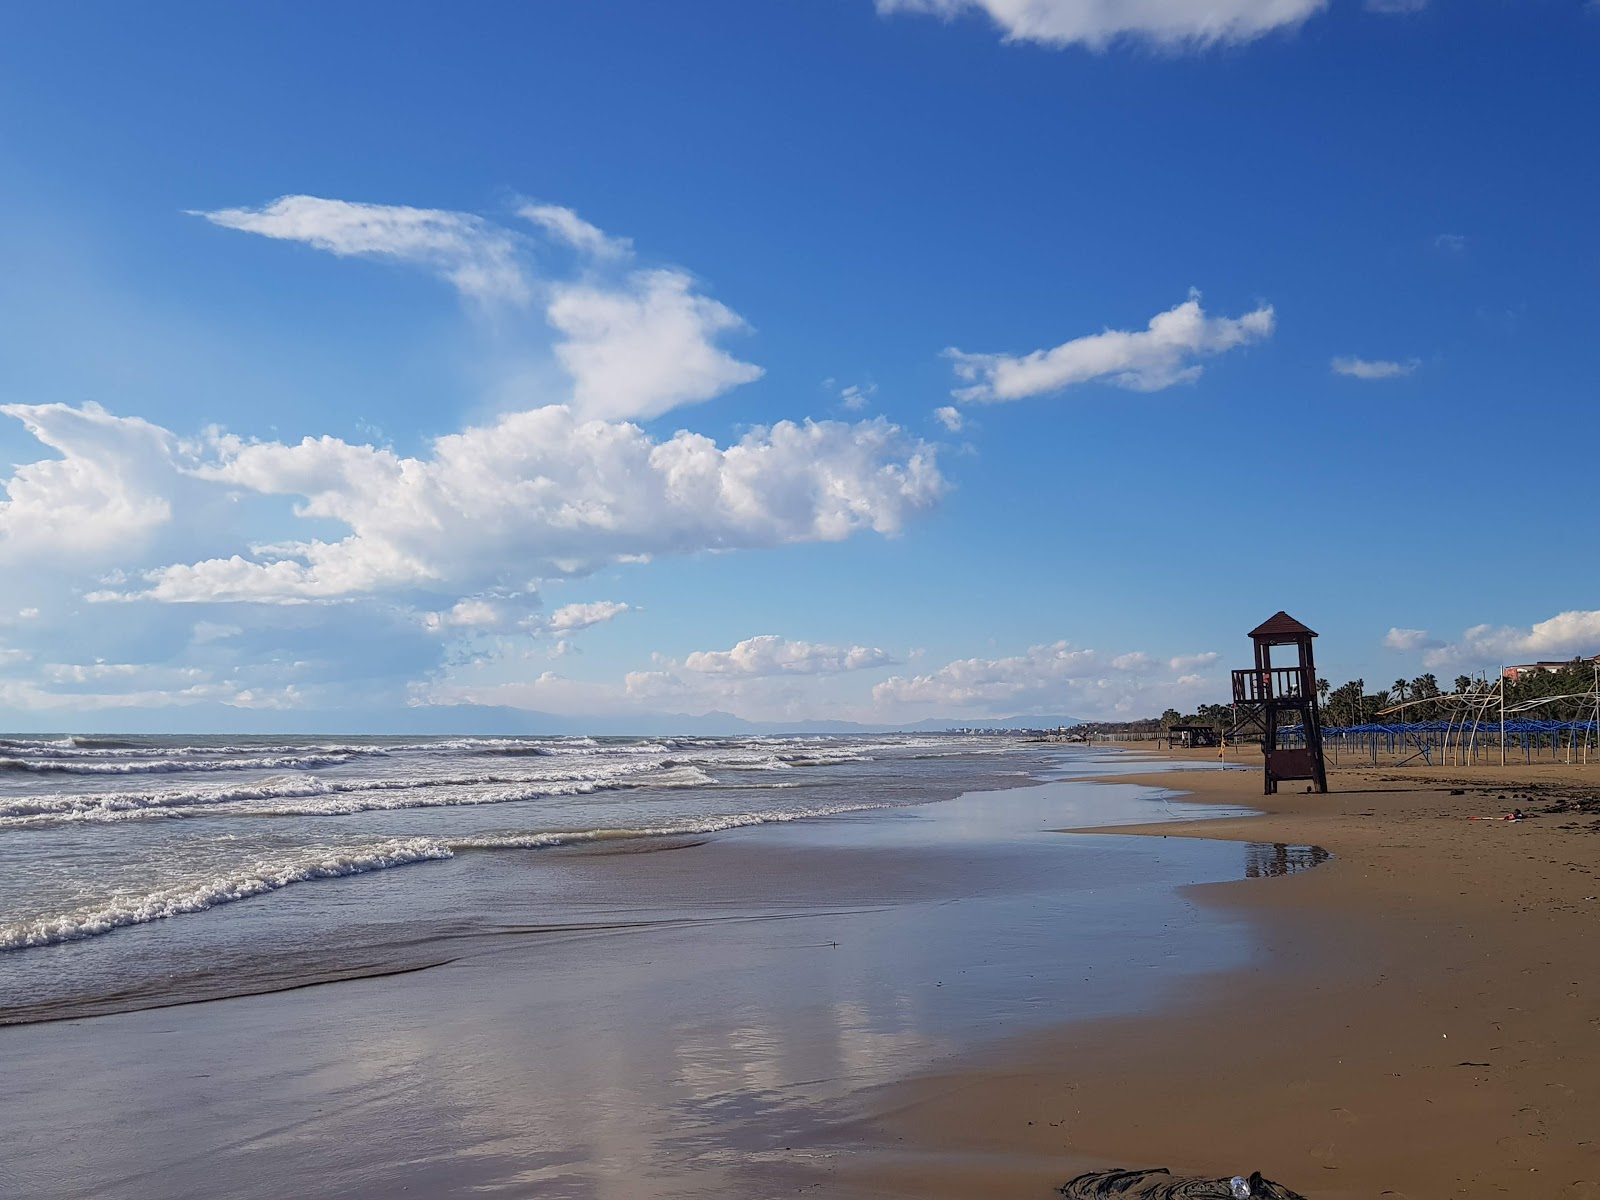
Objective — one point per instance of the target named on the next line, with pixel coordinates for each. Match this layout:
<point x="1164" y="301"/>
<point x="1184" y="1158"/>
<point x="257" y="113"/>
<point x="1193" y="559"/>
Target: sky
<point x="880" y="362"/>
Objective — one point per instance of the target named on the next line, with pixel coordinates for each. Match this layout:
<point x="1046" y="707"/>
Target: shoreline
<point x="1421" y="1021"/>
<point x="657" y="1024"/>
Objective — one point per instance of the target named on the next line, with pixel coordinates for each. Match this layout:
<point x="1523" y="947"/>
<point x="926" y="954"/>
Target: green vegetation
<point x="1351" y="704"/>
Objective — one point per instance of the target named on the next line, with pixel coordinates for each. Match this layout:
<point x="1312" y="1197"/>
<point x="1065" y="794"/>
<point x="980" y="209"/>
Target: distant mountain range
<point x="466" y="719"/>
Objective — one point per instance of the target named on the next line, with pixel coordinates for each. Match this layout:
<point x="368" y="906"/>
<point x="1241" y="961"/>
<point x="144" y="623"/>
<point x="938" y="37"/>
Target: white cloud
<point x="1020" y="680"/>
<point x="570" y="618"/>
<point x="1563" y="636"/>
<point x="769" y="654"/>
<point x="1188" y="662"/>
<point x="636" y="344"/>
<point x="1396" y="6"/>
<point x="110" y="490"/>
<point x="1050" y="680"/>
<point x="1095" y="23"/>
<point x="950" y="417"/>
<point x="857" y="396"/>
<point x="477" y="615"/>
<point x="1365" y="368"/>
<point x="480" y="259"/>
<point x="646" y="347"/>
<point x="569" y="227"/>
<point x="1450" y="243"/>
<point x="1408" y="640"/>
<point x="1149" y="360"/>
<point x="542" y="494"/>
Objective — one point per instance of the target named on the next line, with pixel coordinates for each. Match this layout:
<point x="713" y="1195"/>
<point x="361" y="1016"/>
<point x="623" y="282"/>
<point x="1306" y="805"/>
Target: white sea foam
<point x="169" y="765"/>
<point x="321" y="862"/>
<point x="255" y="879"/>
<point x="309" y="795"/>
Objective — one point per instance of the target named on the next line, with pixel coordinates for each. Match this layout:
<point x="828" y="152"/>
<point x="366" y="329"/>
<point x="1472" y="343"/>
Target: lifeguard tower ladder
<point x="1261" y="696"/>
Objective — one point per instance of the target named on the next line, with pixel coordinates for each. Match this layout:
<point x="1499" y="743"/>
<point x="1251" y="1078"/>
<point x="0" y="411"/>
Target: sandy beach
<point x="1422" y="1021"/>
<point x="974" y="997"/>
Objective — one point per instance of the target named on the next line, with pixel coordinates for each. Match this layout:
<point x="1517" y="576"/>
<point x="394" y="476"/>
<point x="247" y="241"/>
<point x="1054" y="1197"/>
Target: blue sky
<point x="955" y="358"/>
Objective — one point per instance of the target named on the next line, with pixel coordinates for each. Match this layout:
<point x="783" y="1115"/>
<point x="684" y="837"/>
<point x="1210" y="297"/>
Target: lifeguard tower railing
<point x="1278" y="683"/>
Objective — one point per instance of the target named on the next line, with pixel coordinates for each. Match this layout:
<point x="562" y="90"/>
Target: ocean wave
<point x="159" y="766"/>
<point x="254" y="879"/>
<point x="709" y="824"/>
<point x="324" y="797"/>
<point x="323" y="862"/>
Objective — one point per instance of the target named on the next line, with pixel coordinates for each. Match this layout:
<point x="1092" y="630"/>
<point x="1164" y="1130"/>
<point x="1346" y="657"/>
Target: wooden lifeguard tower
<point x="1262" y="695"/>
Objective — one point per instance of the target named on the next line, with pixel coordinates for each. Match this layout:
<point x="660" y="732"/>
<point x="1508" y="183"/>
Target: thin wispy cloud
<point x="1159" y="356"/>
<point x="637" y="343"/>
<point x="1374" y="368"/>
<point x="480" y="259"/>
<point x="1396" y="6"/>
<point x="1053" y="678"/>
<point x="567" y="226"/>
<point x="1171" y="24"/>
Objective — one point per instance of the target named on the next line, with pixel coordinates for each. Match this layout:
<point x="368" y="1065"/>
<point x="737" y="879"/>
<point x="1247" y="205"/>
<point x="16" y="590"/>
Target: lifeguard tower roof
<point x="1280" y="625"/>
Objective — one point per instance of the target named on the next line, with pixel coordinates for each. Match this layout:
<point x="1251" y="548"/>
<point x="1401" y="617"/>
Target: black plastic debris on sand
<point x="1161" y="1184"/>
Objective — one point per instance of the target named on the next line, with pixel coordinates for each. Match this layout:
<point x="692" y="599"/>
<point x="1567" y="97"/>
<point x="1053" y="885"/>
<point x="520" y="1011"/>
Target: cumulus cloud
<point x="535" y="495"/>
<point x="1096" y="23"/>
<point x="769" y="654"/>
<point x="107" y="493"/>
<point x="1563" y="636"/>
<point x="1189" y="662"/>
<point x="950" y="417"/>
<point x="1157" y="357"/>
<point x="644" y="347"/>
<point x="479" y="259"/>
<point x="328" y="573"/>
<point x="1408" y="640"/>
<point x="1368" y="368"/>
<point x="567" y="226"/>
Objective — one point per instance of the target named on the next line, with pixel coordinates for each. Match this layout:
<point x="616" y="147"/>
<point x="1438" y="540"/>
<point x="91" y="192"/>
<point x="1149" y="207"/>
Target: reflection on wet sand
<point x="692" y="1048"/>
<point x="1269" y="860"/>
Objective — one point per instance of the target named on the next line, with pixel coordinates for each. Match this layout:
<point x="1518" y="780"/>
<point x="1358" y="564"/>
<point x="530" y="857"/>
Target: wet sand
<point x="1423" y="1020"/>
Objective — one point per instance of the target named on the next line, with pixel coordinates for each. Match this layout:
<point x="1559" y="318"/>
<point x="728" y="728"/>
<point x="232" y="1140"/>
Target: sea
<point x="143" y="870"/>
<point x="581" y="968"/>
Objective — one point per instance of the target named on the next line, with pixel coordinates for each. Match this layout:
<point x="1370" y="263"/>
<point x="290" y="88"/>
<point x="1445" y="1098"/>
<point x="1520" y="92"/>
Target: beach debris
<point x="1160" y="1184"/>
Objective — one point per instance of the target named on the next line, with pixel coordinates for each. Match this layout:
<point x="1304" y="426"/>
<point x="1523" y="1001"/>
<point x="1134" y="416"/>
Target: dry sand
<point x="1422" y="1022"/>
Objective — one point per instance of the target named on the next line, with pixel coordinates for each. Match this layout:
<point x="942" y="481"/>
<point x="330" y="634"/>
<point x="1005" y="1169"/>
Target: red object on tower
<point x="1266" y="693"/>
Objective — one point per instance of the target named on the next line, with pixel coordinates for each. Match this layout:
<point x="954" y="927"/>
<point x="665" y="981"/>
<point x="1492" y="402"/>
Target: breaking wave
<point x="270" y="875"/>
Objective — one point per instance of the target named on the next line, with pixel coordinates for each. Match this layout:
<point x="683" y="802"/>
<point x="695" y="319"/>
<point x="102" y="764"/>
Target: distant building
<point x="1517" y="672"/>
